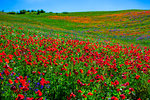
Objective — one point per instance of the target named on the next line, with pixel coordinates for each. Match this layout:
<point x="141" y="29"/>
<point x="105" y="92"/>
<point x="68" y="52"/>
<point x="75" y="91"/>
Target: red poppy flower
<point x="79" y="91"/>
<point x="7" y="60"/>
<point x="118" y="90"/>
<point x="92" y="80"/>
<point x="90" y="93"/>
<point x="39" y="93"/>
<point x="114" y="98"/>
<point x="42" y="82"/>
<point x="85" y="64"/>
<point x="33" y="72"/>
<point x="105" y="84"/>
<point x="10" y="56"/>
<point x="47" y="82"/>
<point x="124" y="77"/>
<point x="24" y="88"/>
<point x="16" y="81"/>
<point x="131" y="89"/>
<point x="81" y="70"/>
<point x="10" y="81"/>
<point x="20" y="97"/>
<point x="116" y="82"/>
<point x="20" y="77"/>
<point x="66" y="74"/>
<point x="137" y="77"/>
<point x="68" y="98"/>
<point x="72" y="94"/>
<point x="29" y="98"/>
<point x="84" y="96"/>
<point x="6" y="72"/>
<point x="122" y="96"/>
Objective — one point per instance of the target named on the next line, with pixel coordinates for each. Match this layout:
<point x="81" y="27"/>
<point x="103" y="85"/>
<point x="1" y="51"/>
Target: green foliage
<point x="50" y="12"/>
<point x="65" y="12"/>
<point x="11" y="13"/>
<point x="40" y="11"/>
<point x="22" y="11"/>
<point x="45" y="44"/>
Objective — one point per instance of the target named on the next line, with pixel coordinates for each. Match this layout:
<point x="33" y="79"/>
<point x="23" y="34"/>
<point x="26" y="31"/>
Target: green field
<point x="75" y="56"/>
<point x="129" y="28"/>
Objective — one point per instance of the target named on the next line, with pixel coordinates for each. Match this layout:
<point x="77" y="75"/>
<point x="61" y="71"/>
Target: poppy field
<point x="75" y="56"/>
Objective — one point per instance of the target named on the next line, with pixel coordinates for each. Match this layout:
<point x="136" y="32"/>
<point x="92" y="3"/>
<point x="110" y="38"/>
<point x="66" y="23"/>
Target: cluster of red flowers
<point x="88" y="64"/>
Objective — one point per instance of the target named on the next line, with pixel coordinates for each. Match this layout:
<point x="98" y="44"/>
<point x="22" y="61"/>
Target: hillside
<point x="127" y="26"/>
<point x="75" y="56"/>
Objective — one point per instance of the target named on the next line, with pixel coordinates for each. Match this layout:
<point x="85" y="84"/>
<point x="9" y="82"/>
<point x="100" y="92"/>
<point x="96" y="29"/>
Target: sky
<point x="73" y="5"/>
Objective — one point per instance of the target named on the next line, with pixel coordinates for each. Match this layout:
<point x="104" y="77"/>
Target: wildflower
<point x="122" y="96"/>
<point x="79" y="91"/>
<point x="124" y="77"/>
<point x="90" y="93"/>
<point x="131" y="89"/>
<point x="41" y="86"/>
<point x="24" y="88"/>
<point x="137" y="77"/>
<point x="42" y="82"/>
<point x="60" y="73"/>
<point x="39" y="93"/>
<point x="105" y="84"/>
<point x="81" y="70"/>
<point x="84" y="96"/>
<point x="16" y="81"/>
<point x="72" y="95"/>
<point x="6" y="72"/>
<point x="85" y="64"/>
<point x="114" y="98"/>
<point x="118" y="90"/>
<point x="7" y="60"/>
<point x="20" y="97"/>
<point x="66" y="74"/>
<point x="92" y="80"/>
<point x="29" y="98"/>
<point x="10" y="81"/>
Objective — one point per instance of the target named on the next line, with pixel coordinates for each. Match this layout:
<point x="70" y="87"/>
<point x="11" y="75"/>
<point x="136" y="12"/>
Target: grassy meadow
<point x="75" y="56"/>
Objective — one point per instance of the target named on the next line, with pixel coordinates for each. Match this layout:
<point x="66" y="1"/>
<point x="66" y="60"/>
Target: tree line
<point x="30" y="12"/>
<point x="27" y="11"/>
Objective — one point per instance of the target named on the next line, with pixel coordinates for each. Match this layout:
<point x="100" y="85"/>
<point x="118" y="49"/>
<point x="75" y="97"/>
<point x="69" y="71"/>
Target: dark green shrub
<point x="65" y="12"/>
<point x="11" y="12"/>
<point x="23" y="11"/>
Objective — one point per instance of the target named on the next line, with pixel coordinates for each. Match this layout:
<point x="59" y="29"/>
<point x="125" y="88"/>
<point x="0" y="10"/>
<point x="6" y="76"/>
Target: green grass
<point x="43" y="23"/>
<point x="94" y="54"/>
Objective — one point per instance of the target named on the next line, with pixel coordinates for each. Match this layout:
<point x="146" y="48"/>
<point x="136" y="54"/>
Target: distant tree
<point x="2" y="10"/>
<point x="33" y="11"/>
<point x="50" y="12"/>
<point x="42" y="11"/>
<point x="38" y="12"/>
<point x="23" y="11"/>
<point x="28" y="10"/>
<point x="11" y="12"/>
<point x="65" y="12"/>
